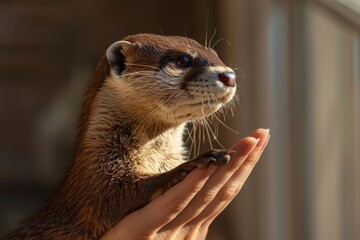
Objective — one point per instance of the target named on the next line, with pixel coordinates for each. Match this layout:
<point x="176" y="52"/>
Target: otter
<point x="130" y="146"/>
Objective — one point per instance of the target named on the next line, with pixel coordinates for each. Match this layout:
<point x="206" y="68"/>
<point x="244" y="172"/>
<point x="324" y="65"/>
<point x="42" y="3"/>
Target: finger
<point x="218" y="179"/>
<point x="193" y="232"/>
<point x="234" y="185"/>
<point x="167" y="206"/>
<point x="258" y="133"/>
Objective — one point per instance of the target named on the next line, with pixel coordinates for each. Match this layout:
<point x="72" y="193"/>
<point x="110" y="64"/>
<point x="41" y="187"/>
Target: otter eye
<point x="183" y="61"/>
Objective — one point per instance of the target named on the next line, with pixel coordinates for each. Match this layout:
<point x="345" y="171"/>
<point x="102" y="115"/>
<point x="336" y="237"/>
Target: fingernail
<point x="265" y="130"/>
<point x="263" y="140"/>
<point x="265" y="143"/>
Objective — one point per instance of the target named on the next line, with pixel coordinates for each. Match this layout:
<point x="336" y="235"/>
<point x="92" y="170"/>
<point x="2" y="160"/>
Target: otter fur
<point x="130" y="146"/>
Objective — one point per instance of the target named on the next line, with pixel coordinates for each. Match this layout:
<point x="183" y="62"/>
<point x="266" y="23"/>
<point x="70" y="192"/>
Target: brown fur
<point x="129" y="148"/>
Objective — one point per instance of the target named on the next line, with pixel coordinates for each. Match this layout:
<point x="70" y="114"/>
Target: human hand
<point x="186" y="210"/>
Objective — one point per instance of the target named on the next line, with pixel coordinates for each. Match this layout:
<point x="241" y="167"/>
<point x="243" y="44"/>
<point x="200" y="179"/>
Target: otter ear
<point x="116" y="56"/>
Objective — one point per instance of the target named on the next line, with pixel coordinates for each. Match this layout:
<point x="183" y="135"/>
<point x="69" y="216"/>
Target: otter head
<point x="174" y="78"/>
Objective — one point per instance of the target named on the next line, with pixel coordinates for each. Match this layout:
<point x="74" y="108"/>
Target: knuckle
<point x="251" y="160"/>
<point x="228" y="193"/>
<point x="233" y="167"/>
<point x="174" y="207"/>
<point x="207" y="196"/>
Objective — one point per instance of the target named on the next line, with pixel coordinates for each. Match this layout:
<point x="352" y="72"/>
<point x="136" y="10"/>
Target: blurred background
<point x="299" y="74"/>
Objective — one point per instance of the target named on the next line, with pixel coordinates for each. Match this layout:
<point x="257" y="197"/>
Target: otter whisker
<point x="212" y="36"/>
<point x="149" y="74"/>
<point x="192" y="135"/>
<point x="145" y="121"/>
<point x="186" y="26"/>
<point x="233" y="108"/>
<point x="202" y="107"/>
<point x="201" y="137"/>
<point x="225" y="125"/>
<point x="150" y="118"/>
<point x="209" y="103"/>
<point x="242" y="72"/>
<point x="215" y="137"/>
<point x="221" y="39"/>
<point x="203" y="132"/>
<point x="190" y="150"/>
<point x="208" y="135"/>
<point x="195" y="139"/>
<point x="216" y="125"/>
<point x="200" y="132"/>
<point x="199" y="140"/>
<point x="222" y="112"/>
<point x="206" y="32"/>
<point x="189" y="135"/>
<point x="141" y="65"/>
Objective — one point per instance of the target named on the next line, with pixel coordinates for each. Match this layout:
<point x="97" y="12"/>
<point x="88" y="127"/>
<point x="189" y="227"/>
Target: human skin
<point x="186" y="210"/>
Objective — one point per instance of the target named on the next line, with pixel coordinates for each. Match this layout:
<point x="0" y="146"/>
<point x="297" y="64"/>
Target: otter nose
<point x="228" y="78"/>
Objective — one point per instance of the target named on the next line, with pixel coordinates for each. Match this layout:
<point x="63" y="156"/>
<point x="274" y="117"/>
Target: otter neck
<point x="152" y="149"/>
<point x="110" y="116"/>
